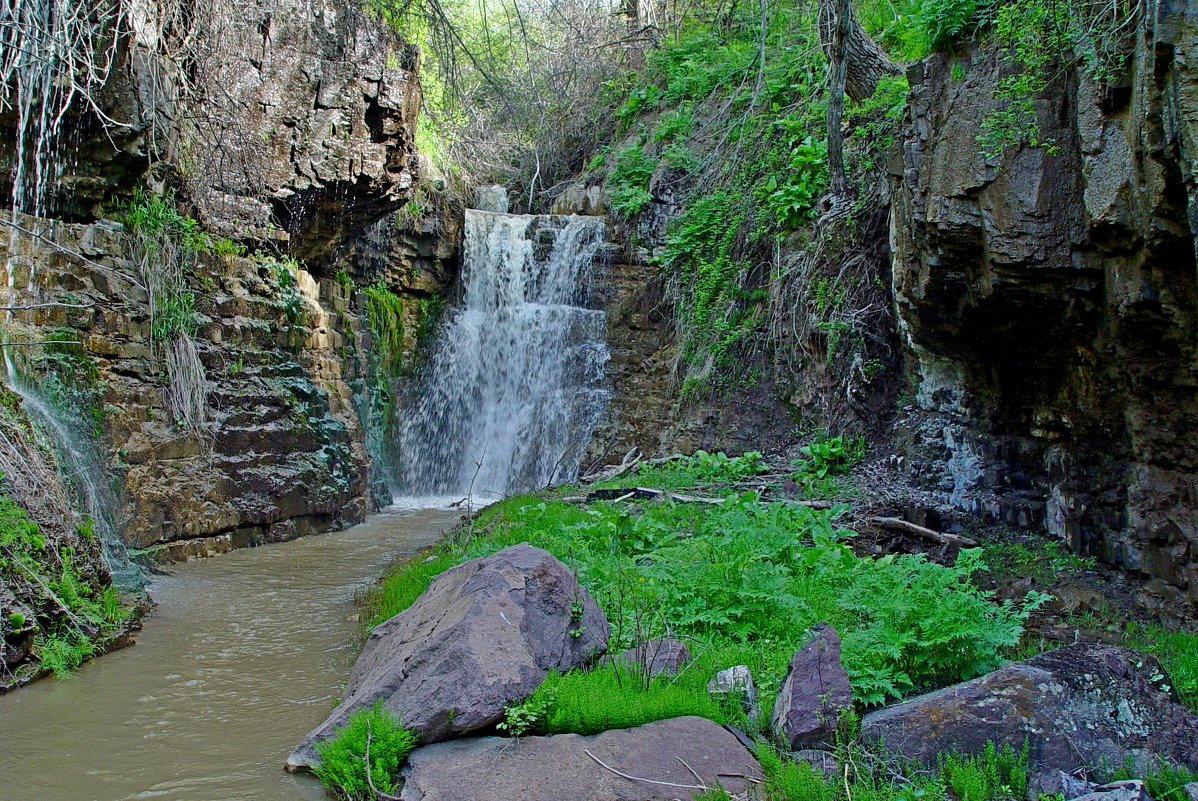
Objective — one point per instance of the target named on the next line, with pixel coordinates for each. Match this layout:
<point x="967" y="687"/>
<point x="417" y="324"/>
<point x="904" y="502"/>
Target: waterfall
<point x="516" y="382"/>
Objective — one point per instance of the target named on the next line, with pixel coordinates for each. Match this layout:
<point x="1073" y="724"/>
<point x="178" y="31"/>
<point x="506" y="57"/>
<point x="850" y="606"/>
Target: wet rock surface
<point x="482" y="636"/>
<point x="284" y="455"/>
<point x="1078" y="706"/>
<point x="558" y="768"/>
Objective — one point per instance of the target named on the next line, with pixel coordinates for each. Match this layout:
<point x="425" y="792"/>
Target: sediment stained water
<point x="243" y="655"/>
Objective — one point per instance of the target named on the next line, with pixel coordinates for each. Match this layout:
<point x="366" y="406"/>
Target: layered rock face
<point x="284" y="454"/>
<point x="285" y="125"/>
<point x="1049" y="301"/>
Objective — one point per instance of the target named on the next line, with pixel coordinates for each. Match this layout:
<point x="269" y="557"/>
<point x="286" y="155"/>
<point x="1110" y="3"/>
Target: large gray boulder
<point x="558" y="768"/>
<point x="1083" y="705"/>
<point x="813" y="694"/>
<point x="481" y="637"/>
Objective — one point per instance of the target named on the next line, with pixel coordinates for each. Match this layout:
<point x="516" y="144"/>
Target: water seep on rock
<point x="482" y="636"/>
<point x="558" y="768"/>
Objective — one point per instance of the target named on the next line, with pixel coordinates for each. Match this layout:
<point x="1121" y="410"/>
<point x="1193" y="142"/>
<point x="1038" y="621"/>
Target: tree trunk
<point x="865" y="62"/>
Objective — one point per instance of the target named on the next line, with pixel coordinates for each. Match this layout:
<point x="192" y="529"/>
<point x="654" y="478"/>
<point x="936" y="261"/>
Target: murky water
<point x="242" y="657"/>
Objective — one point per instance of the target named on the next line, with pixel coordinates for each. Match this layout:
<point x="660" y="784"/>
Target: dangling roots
<point x="187" y="390"/>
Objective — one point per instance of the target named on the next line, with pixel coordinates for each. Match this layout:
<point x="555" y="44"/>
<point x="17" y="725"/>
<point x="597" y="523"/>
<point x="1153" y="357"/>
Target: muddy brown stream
<point x="242" y="656"/>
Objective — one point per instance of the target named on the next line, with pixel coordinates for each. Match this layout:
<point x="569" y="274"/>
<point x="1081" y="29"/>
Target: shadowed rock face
<point x="299" y="125"/>
<point x="482" y="636"/>
<point x="1050" y="303"/>
<point x="558" y="768"/>
<point x="1083" y="705"/>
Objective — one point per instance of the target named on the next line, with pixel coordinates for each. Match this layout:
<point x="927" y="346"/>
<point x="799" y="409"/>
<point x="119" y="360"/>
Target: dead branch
<point x="369" y="780"/>
<point x="923" y="533"/>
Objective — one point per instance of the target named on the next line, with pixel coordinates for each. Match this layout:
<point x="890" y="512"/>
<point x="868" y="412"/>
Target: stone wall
<point x="1049" y="302"/>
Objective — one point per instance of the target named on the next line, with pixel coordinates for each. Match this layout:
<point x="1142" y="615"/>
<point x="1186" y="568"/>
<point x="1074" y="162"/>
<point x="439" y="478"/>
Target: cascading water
<point x="516" y="382"/>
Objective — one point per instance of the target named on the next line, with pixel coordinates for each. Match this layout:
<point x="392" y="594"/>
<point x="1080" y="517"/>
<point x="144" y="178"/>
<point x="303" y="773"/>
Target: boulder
<point x="1191" y="791"/>
<point x="1082" y="705"/>
<point x="813" y="694"/>
<point x="491" y="198"/>
<point x="1129" y="790"/>
<point x="662" y="656"/>
<point x="482" y="636"/>
<point x="558" y="768"/>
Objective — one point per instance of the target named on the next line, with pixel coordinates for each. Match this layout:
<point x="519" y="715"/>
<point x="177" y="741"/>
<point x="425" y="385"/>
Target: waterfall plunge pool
<point x="243" y="655"/>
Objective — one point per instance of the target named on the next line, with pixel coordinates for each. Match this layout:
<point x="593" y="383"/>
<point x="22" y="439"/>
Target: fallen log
<point x="923" y="533"/>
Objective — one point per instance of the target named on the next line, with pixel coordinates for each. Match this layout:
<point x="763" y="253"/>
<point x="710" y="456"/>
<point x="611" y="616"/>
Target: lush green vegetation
<point x="83" y="611"/>
<point x="343" y="763"/>
<point x="1177" y="652"/>
<point x="746" y="578"/>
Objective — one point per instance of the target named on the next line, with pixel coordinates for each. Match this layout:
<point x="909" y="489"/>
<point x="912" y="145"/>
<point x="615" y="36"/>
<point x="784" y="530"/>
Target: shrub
<point x="342" y="766"/>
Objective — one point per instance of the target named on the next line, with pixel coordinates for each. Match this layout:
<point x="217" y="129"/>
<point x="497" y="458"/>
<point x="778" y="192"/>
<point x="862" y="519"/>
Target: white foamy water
<point x="516" y="382"/>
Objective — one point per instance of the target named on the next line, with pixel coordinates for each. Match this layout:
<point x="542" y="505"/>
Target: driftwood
<point x="922" y="532"/>
<point x="629" y="463"/>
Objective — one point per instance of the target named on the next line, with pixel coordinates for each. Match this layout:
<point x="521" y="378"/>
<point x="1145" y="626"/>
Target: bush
<point x="628" y="182"/>
<point x="342" y="766"/>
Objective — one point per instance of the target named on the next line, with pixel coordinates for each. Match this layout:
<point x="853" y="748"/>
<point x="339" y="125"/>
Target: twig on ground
<point x="606" y="766"/>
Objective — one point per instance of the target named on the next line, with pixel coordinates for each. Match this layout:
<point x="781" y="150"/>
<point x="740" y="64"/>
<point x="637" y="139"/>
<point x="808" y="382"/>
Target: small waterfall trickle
<point x="516" y="382"/>
<point x="82" y="469"/>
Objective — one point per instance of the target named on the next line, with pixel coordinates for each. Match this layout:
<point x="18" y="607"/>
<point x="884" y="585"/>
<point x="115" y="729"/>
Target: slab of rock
<point x="1128" y="790"/>
<point x="1191" y="791"/>
<point x="1065" y="784"/>
<point x="663" y="656"/>
<point x="813" y="694"/>
<point x="558" y="768"/>
<point x="1083" y="705"/>
<point x="482" y="636"/>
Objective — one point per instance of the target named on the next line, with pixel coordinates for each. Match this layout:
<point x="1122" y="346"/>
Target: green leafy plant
<point x="628" y="181"/>
<point x="343" y="762"/>
<point x="748" y="578"/>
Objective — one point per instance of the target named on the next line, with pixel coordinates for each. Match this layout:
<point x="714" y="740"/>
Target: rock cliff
<point x="1049" y="302"/>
